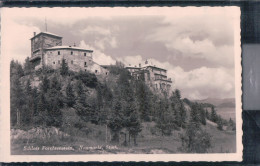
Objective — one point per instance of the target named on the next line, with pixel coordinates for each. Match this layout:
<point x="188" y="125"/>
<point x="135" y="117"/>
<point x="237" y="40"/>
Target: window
<point x="58" y="62"/>
<point x="96" y="71"/>
<point x="85" y="69"/>
<point x="71" y="62"/>
<point x="106" y="73"/>
<point x="85" y="63"/>
<point x="85" y="54"/>
<point x="54" y="63"/>
<point x="58" y="52"/>
<point x="71" y="53"/>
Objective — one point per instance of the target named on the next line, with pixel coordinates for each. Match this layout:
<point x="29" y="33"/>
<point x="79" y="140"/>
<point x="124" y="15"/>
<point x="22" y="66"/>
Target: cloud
<point x="199" y="83"/>
<point x="105" y="42"/>
<point x="95" y="30"/>
<point x="16" y="42"/>
<point x="204" y="82"/>
<point x="202" y="34"/>
<point x="98" y="56"/>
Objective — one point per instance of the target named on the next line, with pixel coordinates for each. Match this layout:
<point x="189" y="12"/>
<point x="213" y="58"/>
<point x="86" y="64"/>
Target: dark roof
<point x="47" y="33"/>
<point x="130" y="67"/>
<point x="68" y="47"/>
<point x="156" y="67"/>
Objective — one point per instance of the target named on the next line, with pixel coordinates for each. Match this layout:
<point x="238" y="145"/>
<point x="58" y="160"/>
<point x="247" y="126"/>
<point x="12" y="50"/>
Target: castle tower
<point x="41" y="41"/>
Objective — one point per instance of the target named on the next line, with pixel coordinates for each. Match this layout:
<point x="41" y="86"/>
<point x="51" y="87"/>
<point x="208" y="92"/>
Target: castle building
<point x="155" y="77"/>
<point x="47" y="50"/>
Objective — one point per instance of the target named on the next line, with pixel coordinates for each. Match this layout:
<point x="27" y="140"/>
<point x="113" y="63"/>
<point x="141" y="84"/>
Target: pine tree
<point x="195" y="140"/>
<point x="28" y="67"/>
<point x="183" y="114"/>
<point x="213" y="115"/>
<point x="207" y="114"/>
<point x="195" y="115"/>
<point x="220" y="123"/>
<point x="42" y="114"/>
<point x="134" y="126"/>
<point x="178" y="94"/>
<point x="143" y="102"/>
<point x="45" y="84"/>
<point x="202" y="115"/>
<point x="165" y="119"/>
<point x="116" y="120"/>
<point x="70" y="97"/>
<point x="17" y="101"/>
<point x="99" y="96"/>
<point x="29" y="103"/>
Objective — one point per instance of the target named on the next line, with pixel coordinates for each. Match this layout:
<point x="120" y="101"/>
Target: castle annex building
<point x="155" y="77"/>
<point x="47" y="50"/>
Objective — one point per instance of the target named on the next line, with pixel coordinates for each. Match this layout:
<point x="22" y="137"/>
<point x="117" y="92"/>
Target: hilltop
<point x="114" y="113"/>
<point x="217" y="102"/>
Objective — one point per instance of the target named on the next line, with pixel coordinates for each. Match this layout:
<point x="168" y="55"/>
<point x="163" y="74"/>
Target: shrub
<point x="89" y="79"/>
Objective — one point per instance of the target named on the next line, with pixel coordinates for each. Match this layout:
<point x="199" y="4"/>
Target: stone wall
<point x="76" y="59"/>
<point x="44" y="41"/>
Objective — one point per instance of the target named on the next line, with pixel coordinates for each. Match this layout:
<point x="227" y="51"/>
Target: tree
<point x="29" y="103"/>
<point x="195" y="140"/>
<point x="183" y="114"/>
<point x="116" y="120"/>
<point x="165" y="118"/>
<point x="213" y="115"/>
<point x="70" y="97"/>
<point x="17" y="101"/>
<point x="64" y="68"/>
<point x="99" y="96"/>
<point x="28" y="67"/>
<point x="195" y="115"/>
<point x="134" y="126"/>
<point x="45" y="84"/>
<point x="202" y="115"/>
<point x="207" y="114"/>
<point x="143" y="101"/>
<point x="42" y="113"/>
<point x="220" y="123"/>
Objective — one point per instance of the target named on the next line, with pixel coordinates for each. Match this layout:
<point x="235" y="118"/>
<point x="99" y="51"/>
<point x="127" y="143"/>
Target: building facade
<point x="155" y="77"/>
<point x="47" y="50"/>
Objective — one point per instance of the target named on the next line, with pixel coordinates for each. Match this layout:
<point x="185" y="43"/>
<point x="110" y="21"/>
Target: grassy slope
<point x="94" y="135"/>
<point x="222" y="141"/>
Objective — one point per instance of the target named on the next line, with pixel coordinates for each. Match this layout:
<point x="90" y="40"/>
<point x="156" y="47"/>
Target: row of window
<point x="71" y="53"/>
<point x="59" y="62"/>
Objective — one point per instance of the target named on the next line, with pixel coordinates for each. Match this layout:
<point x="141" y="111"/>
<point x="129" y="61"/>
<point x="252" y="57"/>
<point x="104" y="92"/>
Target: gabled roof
<point x="156" y="67"/>
<point x="47" y="33"/>
<point x="131" y="67"/>
<point x="68" y="47"/>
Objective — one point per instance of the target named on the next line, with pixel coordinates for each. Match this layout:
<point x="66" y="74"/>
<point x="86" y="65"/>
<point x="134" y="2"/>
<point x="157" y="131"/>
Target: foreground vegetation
<point x="64" y="108"/>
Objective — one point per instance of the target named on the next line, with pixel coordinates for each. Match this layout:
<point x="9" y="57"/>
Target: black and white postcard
<point x="121" y="84"/>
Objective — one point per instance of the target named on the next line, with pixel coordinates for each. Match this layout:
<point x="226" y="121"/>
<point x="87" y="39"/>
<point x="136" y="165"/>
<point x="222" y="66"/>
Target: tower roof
<point x="47" y="33"/>
<point x="68" y="48"/>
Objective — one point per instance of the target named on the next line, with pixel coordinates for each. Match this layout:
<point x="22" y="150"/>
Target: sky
<point x="195" y="44"/>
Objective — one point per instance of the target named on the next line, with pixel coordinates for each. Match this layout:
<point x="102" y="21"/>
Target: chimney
<point x="34" y="33"/>
<point x="139" y="64"/>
